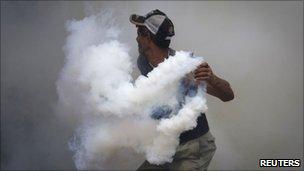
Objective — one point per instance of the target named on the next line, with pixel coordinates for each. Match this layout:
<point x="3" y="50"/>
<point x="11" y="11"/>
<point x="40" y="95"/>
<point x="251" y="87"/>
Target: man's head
<point x="153" y="28"/>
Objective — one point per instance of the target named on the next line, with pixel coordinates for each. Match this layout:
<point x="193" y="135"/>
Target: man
<point x="197" y="146"/>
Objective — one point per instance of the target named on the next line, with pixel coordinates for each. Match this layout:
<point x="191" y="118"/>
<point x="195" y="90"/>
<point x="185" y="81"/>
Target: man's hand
<point x="216" y="86"/>
<point x="203" y="73"/>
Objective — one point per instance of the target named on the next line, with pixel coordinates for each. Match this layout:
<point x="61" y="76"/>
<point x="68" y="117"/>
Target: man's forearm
<point x="220" y="88"/>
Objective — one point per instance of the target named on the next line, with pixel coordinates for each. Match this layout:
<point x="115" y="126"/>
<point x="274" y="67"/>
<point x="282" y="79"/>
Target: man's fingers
<point x="201" y="78"/>
<point x="205" y="64"/>
<point x="203" y="74"/>
<point x="201" y="70"/>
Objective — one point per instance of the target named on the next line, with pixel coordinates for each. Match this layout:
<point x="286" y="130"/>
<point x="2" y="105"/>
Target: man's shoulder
<point x="172" y="52"/>
<point x="143" y="63"/>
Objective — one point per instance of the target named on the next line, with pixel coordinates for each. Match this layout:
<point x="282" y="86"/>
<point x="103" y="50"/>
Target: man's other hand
<point x="216" y="86"/>
<point x="203" y="73"/>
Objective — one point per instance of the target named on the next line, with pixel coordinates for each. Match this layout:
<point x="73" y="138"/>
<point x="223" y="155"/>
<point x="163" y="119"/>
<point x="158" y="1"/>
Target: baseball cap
<point x="156" y="22"/>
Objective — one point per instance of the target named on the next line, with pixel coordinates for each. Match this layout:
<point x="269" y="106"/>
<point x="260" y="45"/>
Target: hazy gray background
<point x="256" y="46"/>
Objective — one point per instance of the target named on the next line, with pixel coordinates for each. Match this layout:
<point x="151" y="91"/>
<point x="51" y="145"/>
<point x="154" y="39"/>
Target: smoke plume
<point x="113" y="110"/>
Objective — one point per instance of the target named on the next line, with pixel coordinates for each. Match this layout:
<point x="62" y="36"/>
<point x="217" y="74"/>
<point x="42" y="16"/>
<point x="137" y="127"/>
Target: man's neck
<point x="157" y="55"/>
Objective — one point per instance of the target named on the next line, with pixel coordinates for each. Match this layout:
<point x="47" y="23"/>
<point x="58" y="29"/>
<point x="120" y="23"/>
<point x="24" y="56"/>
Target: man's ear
<point x="149" y="38"/>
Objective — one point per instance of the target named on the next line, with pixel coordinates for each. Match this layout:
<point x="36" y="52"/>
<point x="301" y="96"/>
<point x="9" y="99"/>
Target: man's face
<point x="143" y="40"/>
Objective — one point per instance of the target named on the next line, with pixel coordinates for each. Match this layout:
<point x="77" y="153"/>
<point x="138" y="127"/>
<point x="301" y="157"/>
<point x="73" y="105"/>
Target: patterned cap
<point x="157" y="22"/>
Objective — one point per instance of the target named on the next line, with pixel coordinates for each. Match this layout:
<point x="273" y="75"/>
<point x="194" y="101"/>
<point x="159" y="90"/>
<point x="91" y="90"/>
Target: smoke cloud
<point x="256" y="46"/>
<point x="113" y="109"/>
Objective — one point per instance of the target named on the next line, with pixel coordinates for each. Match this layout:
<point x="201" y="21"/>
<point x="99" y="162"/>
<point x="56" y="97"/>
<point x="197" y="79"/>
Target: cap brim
<point x="137" y="19"/>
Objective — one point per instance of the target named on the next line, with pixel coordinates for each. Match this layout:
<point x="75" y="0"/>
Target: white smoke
<point x="96" y="87"/>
